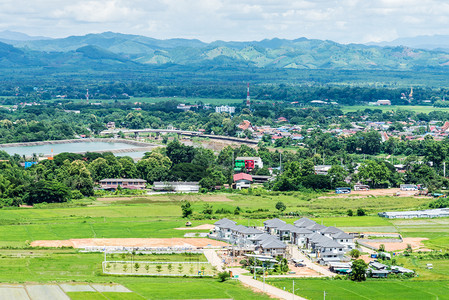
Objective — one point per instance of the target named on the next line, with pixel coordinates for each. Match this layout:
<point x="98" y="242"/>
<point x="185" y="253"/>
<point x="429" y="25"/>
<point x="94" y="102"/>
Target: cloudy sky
<point x="208" y="20"/>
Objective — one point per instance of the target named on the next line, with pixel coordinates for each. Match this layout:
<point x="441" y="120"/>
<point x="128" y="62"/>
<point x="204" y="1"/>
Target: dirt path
<point x="266" y="288"/>
<point x="131" y="242"/>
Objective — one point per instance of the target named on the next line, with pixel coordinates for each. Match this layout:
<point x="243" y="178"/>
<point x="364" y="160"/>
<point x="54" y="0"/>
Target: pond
<point x="73" y="147"/>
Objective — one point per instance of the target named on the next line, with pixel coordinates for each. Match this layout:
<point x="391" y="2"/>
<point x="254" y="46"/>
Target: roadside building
<point x="242" y="180"/>
<point x="124" y="183"/>
<point x="248" y="163"/>
<point x="177" y="186"/>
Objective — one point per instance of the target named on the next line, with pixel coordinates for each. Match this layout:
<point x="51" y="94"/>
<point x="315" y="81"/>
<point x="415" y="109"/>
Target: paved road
<point x="296" y="254"/>
<point x="213" y="259"/>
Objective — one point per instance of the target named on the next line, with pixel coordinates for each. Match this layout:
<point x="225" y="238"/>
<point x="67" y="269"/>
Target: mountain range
<point x="133" y="51"/>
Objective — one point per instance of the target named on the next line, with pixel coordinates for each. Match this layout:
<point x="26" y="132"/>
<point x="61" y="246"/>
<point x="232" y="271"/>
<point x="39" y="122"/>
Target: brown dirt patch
<point x="415" y="242"/>
<point x="199" y="227"/>
<point x="130" y="242"/>
<point x="113" y="199"/>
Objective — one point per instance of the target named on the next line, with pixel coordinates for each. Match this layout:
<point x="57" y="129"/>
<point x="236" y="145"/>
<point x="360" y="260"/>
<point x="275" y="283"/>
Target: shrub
<point x="223" y="276"/>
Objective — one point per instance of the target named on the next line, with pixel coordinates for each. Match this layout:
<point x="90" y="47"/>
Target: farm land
<point x="157" y="216"/>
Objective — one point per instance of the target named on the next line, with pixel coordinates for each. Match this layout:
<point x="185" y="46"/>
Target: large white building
<point x="225" y="108"/>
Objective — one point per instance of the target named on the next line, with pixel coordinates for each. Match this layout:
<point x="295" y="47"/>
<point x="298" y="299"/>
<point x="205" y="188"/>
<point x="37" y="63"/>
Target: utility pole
<point x="280" y="162"/>
<point x="293" y="290"/>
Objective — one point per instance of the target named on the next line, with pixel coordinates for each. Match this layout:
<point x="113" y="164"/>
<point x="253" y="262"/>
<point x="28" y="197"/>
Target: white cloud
<point x="342" y="20"/>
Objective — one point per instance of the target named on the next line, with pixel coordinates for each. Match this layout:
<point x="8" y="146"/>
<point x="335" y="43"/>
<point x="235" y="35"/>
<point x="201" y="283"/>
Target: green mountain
<point x="134" y="51"/>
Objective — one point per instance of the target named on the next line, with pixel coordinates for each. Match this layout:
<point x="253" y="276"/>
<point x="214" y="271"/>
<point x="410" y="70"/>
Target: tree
<point x="158" y="268"/>
<point x="358" y="272"/>
<point x="354" y="253"/>
<point x="186" y="208"/>
<point x="337" y="174"/>
<point x="361" y="212"/>
<point x="374" y="172"/>
<point x="280" y="206"/>
<point x="350" y="213"/>
<point x="381" y="248"/>
<point x="169" y="268"/>
<point x="154" y="168"/>
<point x="208" y="209"/>
<point x="187" y="172"/>
<point x="46" y="191"/>
<point x="179" y="153"/>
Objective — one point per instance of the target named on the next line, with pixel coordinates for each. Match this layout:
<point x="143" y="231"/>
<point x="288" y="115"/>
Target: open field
<point x="67" y="265"/>
<point x="131" y="242"/>
<point x="158" y="217"/>
<point x="415" y="108"/>
<point x="371" y="289"/>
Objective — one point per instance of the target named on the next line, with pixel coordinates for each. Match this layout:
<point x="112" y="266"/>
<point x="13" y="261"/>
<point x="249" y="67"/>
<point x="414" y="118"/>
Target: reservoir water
<point x="73" y="147"/>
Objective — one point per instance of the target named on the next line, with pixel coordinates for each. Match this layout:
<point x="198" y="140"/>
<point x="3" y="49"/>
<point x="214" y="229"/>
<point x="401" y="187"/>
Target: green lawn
<point x="371" y="289"/>
<point x="415" y="108"/>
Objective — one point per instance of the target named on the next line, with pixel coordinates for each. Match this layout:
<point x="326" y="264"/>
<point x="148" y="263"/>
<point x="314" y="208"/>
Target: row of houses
<point x="248" y="239"/>
<point x="325" y="243"/>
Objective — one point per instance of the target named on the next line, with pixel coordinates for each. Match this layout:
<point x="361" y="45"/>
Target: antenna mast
<point x="248" y="99"/>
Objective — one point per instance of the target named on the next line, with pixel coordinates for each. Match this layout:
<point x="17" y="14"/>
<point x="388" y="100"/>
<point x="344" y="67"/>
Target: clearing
<point x="131" y="242"/>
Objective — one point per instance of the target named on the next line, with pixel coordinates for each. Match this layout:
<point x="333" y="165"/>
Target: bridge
<point x="136" y="132"/>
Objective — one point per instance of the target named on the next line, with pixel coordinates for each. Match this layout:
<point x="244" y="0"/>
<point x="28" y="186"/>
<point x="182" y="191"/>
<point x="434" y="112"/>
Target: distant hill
<point x="8" y="35"/>
<point x="134" y="51"/>
<point x="429" y="42"/>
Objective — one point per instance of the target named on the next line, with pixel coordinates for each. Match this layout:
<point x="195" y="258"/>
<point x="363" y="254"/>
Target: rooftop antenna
<point x="248" y="99"/>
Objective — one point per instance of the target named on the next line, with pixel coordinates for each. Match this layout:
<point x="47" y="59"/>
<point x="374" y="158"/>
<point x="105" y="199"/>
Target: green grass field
<point x="68" y="265"/>
<point x="415" y="108"/>
<point x="371" y="289"/>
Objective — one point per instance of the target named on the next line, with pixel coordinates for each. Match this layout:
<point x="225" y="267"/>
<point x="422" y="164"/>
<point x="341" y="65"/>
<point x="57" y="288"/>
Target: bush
<point x="223" y="276"/>
<point x="361" y="212"/>
<point x="350" y="213"/>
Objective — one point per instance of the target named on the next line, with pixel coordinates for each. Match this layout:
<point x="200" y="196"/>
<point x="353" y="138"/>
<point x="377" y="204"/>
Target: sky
<point x="344" y="21"/>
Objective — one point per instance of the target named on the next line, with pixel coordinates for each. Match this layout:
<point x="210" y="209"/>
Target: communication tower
<point x="248" y="99"/>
